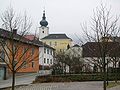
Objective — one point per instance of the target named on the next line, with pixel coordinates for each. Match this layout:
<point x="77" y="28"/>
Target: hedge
<point x="75" y="77"/>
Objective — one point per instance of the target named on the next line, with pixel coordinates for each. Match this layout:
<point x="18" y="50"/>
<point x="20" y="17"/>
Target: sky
<point x="63" y="16"/>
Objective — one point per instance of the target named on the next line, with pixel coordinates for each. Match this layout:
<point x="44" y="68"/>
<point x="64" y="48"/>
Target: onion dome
<point x="43" y="22"/>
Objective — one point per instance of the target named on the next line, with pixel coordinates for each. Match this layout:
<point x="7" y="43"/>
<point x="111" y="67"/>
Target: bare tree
<point x="69" y="61"/>
<point x="103" y="28"/>
<point x="12" y="43"/>
<point x="59" y="66"/>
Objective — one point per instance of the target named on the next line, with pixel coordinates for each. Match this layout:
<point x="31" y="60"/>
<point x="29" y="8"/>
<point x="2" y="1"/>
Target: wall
<point x="45" y="55"/>
<point x="58" y="44"/>
<point x="30" y="58"/>
<point x="43" y="31"/>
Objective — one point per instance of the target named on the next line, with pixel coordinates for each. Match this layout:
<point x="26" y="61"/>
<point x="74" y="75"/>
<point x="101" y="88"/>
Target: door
<point x="1" y="73"/>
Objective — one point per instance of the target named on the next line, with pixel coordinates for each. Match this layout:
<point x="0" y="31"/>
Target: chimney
<point x="14" y="31"/>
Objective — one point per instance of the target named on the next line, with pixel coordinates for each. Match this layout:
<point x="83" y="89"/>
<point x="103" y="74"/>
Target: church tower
<point x="43" y="30"/>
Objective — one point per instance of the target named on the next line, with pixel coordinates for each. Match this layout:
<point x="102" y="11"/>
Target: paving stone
<point x="67" y="86"/>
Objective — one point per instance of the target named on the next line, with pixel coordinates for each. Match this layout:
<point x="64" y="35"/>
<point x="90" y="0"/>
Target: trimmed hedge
<point x="74" y="77"/>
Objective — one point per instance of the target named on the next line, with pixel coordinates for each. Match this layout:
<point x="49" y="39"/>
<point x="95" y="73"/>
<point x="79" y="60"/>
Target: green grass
<point x="113" y="84"/>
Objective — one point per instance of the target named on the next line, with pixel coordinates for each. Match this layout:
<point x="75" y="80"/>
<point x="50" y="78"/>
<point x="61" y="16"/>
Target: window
<point x="50" y="61"/>
<point x="51" y="52"/>
<point x="32" y="51"/>
<point x="14" y="48"/>
<point x="44" y="60"/>
<point x="44" y="50"/>
<point x="47" y="51"/>
<point x="119" y="64"/>
<point x="55" y="43"/>
<point x="15" y="62"/>
<point x="24" y="64"/>
<point x="3" y="41"/>
<point x="24" y="50"/>
<point x="33" y="64"/>
<point x="60" y="50"/>
<point x="47" y="61"/>
<point x="2" y="56"/>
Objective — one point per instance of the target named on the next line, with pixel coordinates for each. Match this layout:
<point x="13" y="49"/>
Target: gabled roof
<point x="111" y="39"/>
<point x="56" y="36"/>
<point x="94" y="49"/>
<point x="8" y="35"/>
<point x="42" y="44"/>
<point x="31" y="37"/>
<point x="116" y="39"/>
<point x="36" y="40"/>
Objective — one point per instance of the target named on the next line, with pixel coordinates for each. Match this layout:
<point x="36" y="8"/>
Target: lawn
<point x="113" y="84"/>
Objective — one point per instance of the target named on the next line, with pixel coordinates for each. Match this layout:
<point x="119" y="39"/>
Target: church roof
<point x="56" y="36"/>
<point x="43" y="22"/>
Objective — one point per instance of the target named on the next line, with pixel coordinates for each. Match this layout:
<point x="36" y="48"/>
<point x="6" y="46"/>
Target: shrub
<point x="74" y="77"/>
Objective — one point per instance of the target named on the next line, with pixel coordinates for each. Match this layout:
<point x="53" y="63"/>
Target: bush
<point x="74" y="77"/>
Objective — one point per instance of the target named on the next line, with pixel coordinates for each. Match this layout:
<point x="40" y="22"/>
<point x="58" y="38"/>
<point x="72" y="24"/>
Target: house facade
<point x="94" y="51"/>
<point x="46" y="57"/>
<point x="75" y="50"/>
<point x="18" y="51"/>
<point x="46" y="53"/>
<point x="58" y="41"/>
<point x="30" y="59"/>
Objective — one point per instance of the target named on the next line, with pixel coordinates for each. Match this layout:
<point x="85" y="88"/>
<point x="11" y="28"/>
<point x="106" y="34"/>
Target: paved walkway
<point x="66" y="86"/>
<point x="28" y="78"/>
<point x="20" y="80"/>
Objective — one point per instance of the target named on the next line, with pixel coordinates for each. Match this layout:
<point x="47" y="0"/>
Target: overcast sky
<point x="63" y="16"/>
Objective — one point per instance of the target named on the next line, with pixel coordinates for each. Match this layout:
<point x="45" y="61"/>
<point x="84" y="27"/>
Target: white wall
<point x="43" y="31"/>
<point x="45" y="55"/>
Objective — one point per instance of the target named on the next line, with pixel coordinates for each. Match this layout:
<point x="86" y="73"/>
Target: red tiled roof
<point x="30" y="37"/>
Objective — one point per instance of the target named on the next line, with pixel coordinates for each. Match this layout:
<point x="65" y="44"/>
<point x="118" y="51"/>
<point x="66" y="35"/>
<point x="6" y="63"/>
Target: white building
<point x="46" y="56"/>
<point x="75" y="50"/>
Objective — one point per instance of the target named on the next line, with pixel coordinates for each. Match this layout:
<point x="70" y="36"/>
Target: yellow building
<point x="58" y="41"/>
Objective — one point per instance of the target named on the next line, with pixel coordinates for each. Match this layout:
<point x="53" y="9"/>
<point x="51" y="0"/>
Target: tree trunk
<point x="107" y="73"/>
<point x="115" y="70"/>
<point x="13" y="80"/>
<point x="104" y="72"/>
